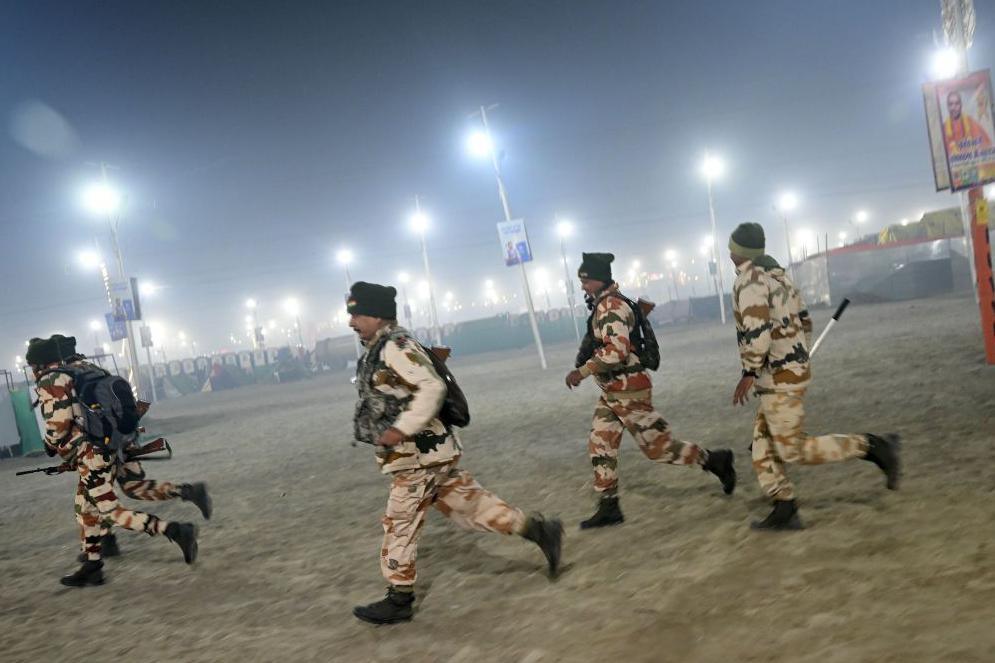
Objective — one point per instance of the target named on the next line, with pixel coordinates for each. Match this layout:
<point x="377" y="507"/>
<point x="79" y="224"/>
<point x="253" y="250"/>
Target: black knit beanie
<point x="596" y="266"/>
<point x="55" y="349"/>
<point x="372" y="299"/>
<point x="747" y="240"/>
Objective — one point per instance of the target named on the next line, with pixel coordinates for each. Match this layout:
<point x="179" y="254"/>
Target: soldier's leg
<point x="785" y="416"/>
<point x="653" y="435"/>
<point x="411" y="493"/>
<point x="767" y="464"/>
<point x="602" y="448"/>
<point x="464" y="501"/>
<point x="98" y="473"/>
<point x="131" y="478"/>
<point x="92" y="529"/>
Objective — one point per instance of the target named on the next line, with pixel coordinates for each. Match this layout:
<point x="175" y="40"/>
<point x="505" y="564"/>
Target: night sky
<point x="253" y="140"/>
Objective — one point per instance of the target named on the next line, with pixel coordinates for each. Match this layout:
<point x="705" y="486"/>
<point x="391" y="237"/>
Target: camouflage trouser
<point x="97" y="506"/>
<point x="453" y="492"/>
<point x="778" y="438"/>
<point x="651" y="431"/>
<point x="131" y="478"/>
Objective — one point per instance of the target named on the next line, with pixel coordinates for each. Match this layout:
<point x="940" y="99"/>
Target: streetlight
<point x="481" y="144"/>
<point x="946" y="63"/>
<point x="712" y="168"/>
<point x="403" y="278"/>
<point x="256" y="334"/>
<point x="344" y="257"/>
<point x="102" y="199"/>
<point x="787" y="202"/>
<point x="419" y="223"/>
<point x="565" y="229"/>
<point x="293" y="307"/>
<point x="95" y="328"/>
<point x="842" y="236"/>
<point x="670" y="257"/>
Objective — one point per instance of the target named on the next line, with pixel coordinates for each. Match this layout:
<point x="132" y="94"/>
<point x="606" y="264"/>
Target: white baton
<point x="832" y="321"/>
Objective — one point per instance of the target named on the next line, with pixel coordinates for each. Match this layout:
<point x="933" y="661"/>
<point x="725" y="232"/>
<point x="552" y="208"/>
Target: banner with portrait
<point x="965" y="114"/>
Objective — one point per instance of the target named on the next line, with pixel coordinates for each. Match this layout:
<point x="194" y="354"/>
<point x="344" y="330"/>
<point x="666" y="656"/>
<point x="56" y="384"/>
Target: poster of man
<point x="514" y="242"/>
<point x="966" y="117"/>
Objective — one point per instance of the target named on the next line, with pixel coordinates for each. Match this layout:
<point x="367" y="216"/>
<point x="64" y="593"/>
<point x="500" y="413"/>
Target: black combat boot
<point x="719" y="463"/>
<point x="108" y="548"/>
<point x="185" y="536"/>
<point x="608" y="513"/>
<point x="395" y="607"/>
<point x="197" y="493"/>
<point x="783" y="517"/>
<point x="883" y="451"/>
<point x="90" y="573"/>
<point x="548" y="535"/>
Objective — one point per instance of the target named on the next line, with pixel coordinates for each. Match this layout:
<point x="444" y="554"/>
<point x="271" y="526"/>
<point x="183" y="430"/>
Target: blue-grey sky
<point x="254" y="139"/>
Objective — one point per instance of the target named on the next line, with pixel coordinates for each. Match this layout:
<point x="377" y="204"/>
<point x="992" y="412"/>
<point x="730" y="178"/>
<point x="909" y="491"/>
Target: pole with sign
<point x="521" y="246"/>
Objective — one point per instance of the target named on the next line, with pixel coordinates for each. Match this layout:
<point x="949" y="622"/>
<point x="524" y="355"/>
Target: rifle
<point x="134" y="453"/>
<point x="55" y="469"/>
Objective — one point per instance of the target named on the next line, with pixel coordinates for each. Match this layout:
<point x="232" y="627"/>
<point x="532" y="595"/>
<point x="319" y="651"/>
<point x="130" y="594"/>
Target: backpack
<point x="642" y="336"/>
<point x="455" y="410"/>
<point x="110" y="412"/>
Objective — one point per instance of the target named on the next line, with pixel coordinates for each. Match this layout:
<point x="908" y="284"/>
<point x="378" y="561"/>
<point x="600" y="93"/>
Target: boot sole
<point x="599" y="525"/>
<point x="380" y="622"/>
<point x="88" y="583"/>
<point x="793" y="525"/>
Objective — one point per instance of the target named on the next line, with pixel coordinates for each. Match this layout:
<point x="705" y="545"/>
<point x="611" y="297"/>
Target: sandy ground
<point x="877" y="576"/>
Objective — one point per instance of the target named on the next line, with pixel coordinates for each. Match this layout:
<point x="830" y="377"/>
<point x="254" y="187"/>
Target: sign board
<point x="934" y="129"/>
<point x="514" y="242"/>
<point x="124" y="300"/>
<point x="965" y="110"/>
<point x="118" y="329"/>
<point x="146" y="333"/>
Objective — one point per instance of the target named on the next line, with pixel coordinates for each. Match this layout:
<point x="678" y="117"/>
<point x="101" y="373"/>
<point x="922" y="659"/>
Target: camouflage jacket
<point x="614" y="365"/>
<point x="772" y="328"/>
<point x="60" y="411"/>
<point x="399" y="388"/>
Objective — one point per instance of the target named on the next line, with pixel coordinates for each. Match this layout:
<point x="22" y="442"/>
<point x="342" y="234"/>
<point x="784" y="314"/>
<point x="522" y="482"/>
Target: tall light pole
<point x="403" y="278"/>
<point x="482" y="144"/>
<point x="564" y="229"/>
<point x="712" y="168"/>
<point x="95" y="328"/>
<point x="787" y="202"/>
<point x="293" y="307"/>
<point x="419" y="223"/>
<point x="257" y="335"/>
<point x="670" y="257"/>
<point x="146" y="290"/>
<point x="344" y="258"/>
<point x="102" y="199"/>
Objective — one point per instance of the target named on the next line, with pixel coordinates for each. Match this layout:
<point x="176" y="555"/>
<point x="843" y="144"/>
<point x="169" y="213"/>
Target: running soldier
<point x="401" y="400"/>
<point x="773" y="329"/>
<point x="609" y="353"/>
<point x="54" y="361"/>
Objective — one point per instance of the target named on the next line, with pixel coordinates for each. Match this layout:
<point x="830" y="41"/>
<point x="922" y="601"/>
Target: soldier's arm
<point x="613" y="318"/>
<point x="753" y="325"/>
<point x="806" y="321"/>
<point x="55" y="400"/>
<point x="428" y="391"/>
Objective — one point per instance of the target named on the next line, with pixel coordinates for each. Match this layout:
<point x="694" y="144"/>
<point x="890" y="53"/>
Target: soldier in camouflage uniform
<point x="97" y="506"/>
<point x="773" y="329"/>
<point x="626" y="398"/>
<point x="400" y="398"/>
